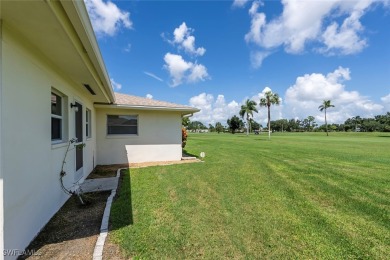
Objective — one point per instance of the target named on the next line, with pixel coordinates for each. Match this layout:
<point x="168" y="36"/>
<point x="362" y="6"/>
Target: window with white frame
<point x="57" y="116"/>
<point x="88" y="123"/>
<point x="122" y="124"/>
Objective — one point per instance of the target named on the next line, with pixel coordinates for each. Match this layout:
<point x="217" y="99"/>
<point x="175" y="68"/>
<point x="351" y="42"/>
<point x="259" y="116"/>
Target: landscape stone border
<point x="98" y="251"/>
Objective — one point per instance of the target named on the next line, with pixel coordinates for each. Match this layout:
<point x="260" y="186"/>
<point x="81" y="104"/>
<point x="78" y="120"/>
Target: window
<point x="57" y="120"/>
<point x="88" y="124"/>
<point x="122" y="124"/>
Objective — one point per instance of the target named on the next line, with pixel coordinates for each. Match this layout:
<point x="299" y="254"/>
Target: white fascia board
<point x="183" y="110"/>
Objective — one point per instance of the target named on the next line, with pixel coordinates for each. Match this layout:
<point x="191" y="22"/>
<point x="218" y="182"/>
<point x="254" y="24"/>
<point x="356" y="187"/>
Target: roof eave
<point x="183" y="110"/>
<point x="77" y="10"/>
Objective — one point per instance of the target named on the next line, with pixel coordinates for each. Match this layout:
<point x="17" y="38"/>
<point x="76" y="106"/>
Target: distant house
<point x="54" y="87"/>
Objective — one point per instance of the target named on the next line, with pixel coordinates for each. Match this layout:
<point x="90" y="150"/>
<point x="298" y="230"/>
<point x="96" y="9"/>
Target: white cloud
<point x="300" y="101"/>
<point x="182" y="71"/>
<point x="333" y="25"/>
<point x="303" y="98"/>
<point x="213" y="110"/>
<point x="198" y="73"/>
<point x="106" y="17"/>
<point x="153" y="76"/>
<point x="257" y="58"/>
<point x="115" y="85"/>
<point x="386" y="103"/>
<point x="219" y="110"/>
<point x="386" y="99"/>
<point x="240" y="3"/>
<point x="149" y="96"/>
<point x="184" y="40"/>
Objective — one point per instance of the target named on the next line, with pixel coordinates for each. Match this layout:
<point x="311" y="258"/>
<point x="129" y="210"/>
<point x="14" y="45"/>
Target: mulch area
<point x="73" y="231"/>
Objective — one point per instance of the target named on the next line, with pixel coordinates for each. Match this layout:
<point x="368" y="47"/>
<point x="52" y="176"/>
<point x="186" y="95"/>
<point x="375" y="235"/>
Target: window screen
<point x="122" y="124"/>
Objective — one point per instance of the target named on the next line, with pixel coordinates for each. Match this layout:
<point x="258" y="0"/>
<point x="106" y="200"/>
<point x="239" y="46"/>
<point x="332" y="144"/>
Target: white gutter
<point x="186" y="110"/>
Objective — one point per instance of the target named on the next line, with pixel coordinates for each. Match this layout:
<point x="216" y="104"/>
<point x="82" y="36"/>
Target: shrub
<point x="183" y="137"/>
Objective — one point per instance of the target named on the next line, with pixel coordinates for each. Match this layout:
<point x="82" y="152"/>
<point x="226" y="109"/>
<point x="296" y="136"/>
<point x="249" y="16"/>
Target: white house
<point x="54" y="87"/>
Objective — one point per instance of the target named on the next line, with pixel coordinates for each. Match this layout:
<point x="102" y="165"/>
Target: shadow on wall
<point x="74" y="225"/>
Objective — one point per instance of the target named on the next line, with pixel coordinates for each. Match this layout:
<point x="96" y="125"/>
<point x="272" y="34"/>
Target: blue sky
<point x="215" y="54"/>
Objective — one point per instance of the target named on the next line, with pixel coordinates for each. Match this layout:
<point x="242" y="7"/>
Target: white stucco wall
<point x="30" y="163"/>
<point x="1" y="145"/>
<point x="158" y="139"/>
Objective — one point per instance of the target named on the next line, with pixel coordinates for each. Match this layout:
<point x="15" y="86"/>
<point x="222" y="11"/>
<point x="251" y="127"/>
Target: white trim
<point x="88" y="121"/>
<point x="63" y="117"/>
<point x="186" y="110"/>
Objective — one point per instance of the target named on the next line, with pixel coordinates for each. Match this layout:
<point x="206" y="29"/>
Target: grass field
<point x="299" y="195"/>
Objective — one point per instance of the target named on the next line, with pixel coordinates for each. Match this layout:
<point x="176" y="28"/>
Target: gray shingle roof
<point x="140" y="102"/>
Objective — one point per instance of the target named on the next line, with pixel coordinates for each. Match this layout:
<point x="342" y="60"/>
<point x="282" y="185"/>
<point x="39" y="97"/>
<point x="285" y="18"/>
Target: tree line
<point x="379" y="123"/>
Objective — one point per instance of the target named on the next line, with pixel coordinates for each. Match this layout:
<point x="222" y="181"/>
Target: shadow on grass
<point x="383" y="135"/>
<point x="188" y="154"/>
<point x="122" y="209"/>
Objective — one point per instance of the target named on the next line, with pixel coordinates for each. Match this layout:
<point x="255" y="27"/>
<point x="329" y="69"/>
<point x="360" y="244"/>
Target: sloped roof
<point x="125" y="101"/>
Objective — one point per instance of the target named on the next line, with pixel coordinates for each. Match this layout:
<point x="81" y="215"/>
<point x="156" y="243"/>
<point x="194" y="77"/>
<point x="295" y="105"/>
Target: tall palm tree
<point x="268" y="100"/>
<point x="325" y="105"/>
<point x="248" y="108"/>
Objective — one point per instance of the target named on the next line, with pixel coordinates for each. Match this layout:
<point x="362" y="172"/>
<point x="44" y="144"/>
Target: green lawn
<point x="297" y="196"/>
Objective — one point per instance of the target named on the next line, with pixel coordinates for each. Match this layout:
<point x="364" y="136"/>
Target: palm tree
<point x="248" y="108"/>
<point x="268" y="100"/>
<point x="325" y="105"/>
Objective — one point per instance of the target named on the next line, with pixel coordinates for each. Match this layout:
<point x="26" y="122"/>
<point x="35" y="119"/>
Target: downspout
<point x="186" y="115"/>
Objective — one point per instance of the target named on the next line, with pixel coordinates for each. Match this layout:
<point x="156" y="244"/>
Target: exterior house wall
<point x="31" y="164"/>
<point x="158" y="139"/>
<point x="1" y="142"/>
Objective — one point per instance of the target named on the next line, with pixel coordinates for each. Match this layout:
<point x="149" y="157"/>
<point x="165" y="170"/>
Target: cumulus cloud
<point x="115" y="85"/>
<point x="106" y="17"/>
<point x="213" y="110"/>
<point x="218" y="109"/>
<point x="184" y="39"/>
<point x="303" y="98"/>
<point x="149" y="96"/>
<point x="182" y="71"/>
<point x="335" y="26"/>
<point x="300" y="101"/>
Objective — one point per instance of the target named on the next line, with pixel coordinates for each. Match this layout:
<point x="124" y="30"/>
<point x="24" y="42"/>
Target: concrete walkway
<point x="99" y="184"/>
